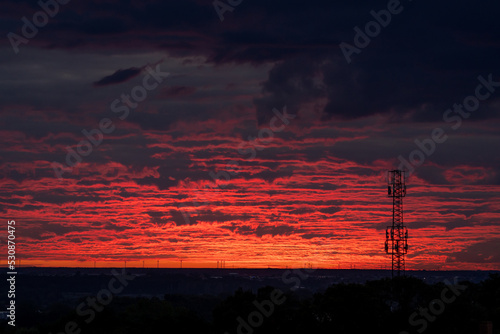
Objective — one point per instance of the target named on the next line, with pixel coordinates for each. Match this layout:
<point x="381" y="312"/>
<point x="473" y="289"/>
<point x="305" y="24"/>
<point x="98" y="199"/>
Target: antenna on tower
<point x="396" y="236"/>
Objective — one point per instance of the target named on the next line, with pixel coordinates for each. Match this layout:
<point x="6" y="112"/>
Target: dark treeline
<point x="382" y="306"/>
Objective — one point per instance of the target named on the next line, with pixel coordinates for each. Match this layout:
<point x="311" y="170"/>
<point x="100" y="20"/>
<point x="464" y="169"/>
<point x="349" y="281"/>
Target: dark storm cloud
<point x="421" y="64"/>
<point x="425" y="60"/>
<point x="118" y="77"/>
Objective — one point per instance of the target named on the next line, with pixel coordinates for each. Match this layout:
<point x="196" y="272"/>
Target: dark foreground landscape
<point x="137" y="300"/>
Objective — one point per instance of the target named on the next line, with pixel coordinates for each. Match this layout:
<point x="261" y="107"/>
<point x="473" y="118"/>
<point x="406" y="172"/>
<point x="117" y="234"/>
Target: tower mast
<point x="396" y="236"/>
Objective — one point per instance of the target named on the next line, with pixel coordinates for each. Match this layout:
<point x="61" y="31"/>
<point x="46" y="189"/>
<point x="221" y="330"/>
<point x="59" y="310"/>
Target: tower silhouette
<point x="396" y="236"/>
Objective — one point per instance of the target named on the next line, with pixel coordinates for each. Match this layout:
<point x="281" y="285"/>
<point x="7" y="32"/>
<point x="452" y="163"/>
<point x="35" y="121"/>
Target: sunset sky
<point x="300" y="136"/>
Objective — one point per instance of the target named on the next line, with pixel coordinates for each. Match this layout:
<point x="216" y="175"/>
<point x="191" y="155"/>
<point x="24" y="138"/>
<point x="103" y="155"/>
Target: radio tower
<point x="396" y="236"/>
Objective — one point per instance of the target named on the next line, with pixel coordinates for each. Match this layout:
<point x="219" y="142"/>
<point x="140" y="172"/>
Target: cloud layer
<point x="203" y="169"/>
